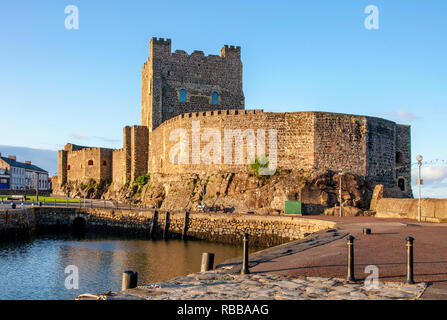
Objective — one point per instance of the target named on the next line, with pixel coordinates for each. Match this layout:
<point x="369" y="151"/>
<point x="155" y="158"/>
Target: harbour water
<point x="36" y="269"/>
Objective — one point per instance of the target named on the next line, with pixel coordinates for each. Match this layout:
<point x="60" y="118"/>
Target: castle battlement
<point x="212" y="114"/>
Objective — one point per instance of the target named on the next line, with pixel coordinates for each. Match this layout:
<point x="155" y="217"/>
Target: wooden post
<point x="207" y="262"/>
<point x="153" y="224"/>
<point x="166" y="228"/>
<point x="185" y="226"/>
<point x="66" y="203"/>
<point x="244" y="269"/>
<point x="130" y="280"/>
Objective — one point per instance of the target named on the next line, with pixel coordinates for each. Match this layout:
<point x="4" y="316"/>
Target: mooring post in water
<point x="185" y="225"/>
<point x="104" y="203"/>
<point x="409" y="246"/>
<point x="166" y="228"/>
<point x="91" y="203"/>
<point x="153" y="224"/>
<point x="350" y="275"/>
<point x="66" y="203"/>
<point x="130" y="280"/>
<point x="244" y="269"/>
<point x="207" y="262"/>
<point x="55" y="203"/>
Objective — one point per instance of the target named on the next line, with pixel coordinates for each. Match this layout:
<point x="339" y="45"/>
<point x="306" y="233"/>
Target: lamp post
<point x="37" y="186"/>
<point x="340" y="173"/>
<point x="419" y="159"/>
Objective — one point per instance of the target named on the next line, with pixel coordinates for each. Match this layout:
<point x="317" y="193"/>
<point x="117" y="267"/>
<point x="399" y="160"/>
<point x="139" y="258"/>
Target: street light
<point x="419" y="159"/>
<point x="340" y="173"/>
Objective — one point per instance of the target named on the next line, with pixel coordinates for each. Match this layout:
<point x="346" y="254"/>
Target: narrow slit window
<point x="215" y="98"/>
<point x="182" y="95"/>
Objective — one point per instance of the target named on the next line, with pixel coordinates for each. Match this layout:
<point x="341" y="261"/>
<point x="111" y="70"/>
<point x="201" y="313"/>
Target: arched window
<point x="104" y="163"/>
<point x="401" y="184"/>
<point x="182" y="95"/>
<point x="399" y="157"/>
<point x="68" y="167"/>
<point x="90" y="162"/>
<point x="215" y="98"/>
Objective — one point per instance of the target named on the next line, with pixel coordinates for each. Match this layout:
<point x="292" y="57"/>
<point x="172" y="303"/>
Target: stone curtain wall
<point x="165" y="73"/>
<point x="403" y="145"/>
<point x="340" y="142"/>
<point x="294" y="133"/>
<point x="119" y="167"/>
<point x="226" y="228"/>
<point x="305" y="140"/>
<point x="381" y="151"/>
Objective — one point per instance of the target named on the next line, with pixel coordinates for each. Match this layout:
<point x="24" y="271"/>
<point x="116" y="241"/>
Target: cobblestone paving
<point x="219" y="285"/>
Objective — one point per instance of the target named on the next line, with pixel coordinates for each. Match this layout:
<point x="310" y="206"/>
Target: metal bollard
<point x="207" y="262"/>
<point x="244" y="269"/>
<point x="409" y="246"/>
<point x="366" y="231"/>
<point x="130" y="280"/>
<point x="350" y="276"/>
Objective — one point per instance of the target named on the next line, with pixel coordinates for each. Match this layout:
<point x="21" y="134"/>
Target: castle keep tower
<point x="174" y="83"/>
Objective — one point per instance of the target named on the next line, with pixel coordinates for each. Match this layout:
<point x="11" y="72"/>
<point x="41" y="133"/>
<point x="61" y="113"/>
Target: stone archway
<point x="78" y="226"/>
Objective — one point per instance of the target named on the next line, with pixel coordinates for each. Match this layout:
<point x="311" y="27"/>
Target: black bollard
<point x="244" y="269"/>
<point x="409" y="246"/>
<point x="207" y="262"/>
<point x="130" y="280"/>
<point x="366" y="231"/>
<point x="350" y="276"/>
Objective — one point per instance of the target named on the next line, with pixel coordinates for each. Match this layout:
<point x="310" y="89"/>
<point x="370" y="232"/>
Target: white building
<point x="23" y="175"/>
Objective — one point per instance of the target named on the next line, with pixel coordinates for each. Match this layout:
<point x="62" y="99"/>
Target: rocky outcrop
<point x="240" y="192"/>
<point x="247" y="192"/>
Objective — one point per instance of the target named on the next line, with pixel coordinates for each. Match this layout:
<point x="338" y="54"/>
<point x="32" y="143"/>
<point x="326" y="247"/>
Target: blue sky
<point x="83" y="86"/>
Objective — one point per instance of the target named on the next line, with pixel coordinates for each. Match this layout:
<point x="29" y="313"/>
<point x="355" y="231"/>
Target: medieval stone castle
<point x="194" y="92"/>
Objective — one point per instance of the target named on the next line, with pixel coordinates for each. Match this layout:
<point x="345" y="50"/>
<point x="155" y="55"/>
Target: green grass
<point x="46" y="199"/>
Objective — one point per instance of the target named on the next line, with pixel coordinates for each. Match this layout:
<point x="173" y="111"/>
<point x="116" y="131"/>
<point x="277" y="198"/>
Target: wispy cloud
<point x="401" y="116"/>
<point x="82" y="136"/>
<point x="435" y="181"/>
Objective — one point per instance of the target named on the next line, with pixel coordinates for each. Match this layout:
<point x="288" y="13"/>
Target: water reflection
<point x="35" y="269"/>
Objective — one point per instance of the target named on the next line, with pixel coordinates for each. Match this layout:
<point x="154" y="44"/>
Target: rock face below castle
<point x="194" y="123"/>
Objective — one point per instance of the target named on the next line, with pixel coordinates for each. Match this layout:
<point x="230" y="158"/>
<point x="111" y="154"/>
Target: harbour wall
<point x="264" y="231"/>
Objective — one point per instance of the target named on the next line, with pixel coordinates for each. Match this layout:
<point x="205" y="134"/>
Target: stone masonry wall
<point x="295" y="139"/>
<point x="403" y="160"/>
<point x="17" y="224"/>
<point x="89" y="163"/>
<point x="227" y="228"/>
<point x="119" y="166"/>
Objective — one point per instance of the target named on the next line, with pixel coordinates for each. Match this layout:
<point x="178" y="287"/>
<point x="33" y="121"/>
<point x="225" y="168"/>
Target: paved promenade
<point x="315" y="268"/>
<point x="384" y="248"/>
<point x="219" y="285"/>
